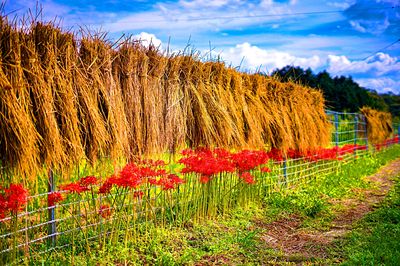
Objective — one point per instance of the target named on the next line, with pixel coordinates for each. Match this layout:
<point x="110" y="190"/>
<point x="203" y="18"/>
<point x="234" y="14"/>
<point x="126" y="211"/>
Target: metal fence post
<point x="52" y="230"/>
<point x="285" y="171"/>
<point x="355" y="133"/>
<point x="398" y="134"/>
<point x="365" y="132"/>
<point x="336" y="130"/>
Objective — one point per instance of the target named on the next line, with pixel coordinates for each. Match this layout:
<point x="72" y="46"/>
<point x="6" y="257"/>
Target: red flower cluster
<point x="88" y="181"/>
<point x="106" y="187"/>
<point x="75" y="187"/>
<point x="133" y="175"/>
<point x="334" y="153"/>
<point x="204" y="179"/>
<point x="276" y="155"/>
<point x="82" y="185"/>
<point x="170" y="182"/>
<point x="387" y="142"/>
<point x="12" y="199"/>
<point x="53" y="198"/>
<point x="247" y="178"/>
<point x="247" y="160"/>
<point x="207" y="162"/>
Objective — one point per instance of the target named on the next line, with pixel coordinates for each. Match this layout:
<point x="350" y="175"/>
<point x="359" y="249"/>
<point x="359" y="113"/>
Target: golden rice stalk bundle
<point x="154" y="101"/>
<point x="63" y="50"/>
<point x="215" y="73"/>
<point x="98" y="60"/>
<point x="174" y="105"/>
<point x="276" y="103"/>
<point x="220" y="134"/>
<point x="199" y="123"/>
<point x="230" y="83"/>
<point x="40" y="57"/>
<point x="92" y="107"/>
<point x="130" y="56"/>
<point x="18" y="135"/>
<point x="254" y="112"/>
<point x="379" y="125"/>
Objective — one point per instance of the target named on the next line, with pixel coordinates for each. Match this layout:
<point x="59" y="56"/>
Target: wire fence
<point x="83" y="221"/>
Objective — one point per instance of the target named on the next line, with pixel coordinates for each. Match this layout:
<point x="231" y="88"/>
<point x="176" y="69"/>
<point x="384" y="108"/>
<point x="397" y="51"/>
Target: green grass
<point x="375" y="239"/>
<point x="312" y="200"/>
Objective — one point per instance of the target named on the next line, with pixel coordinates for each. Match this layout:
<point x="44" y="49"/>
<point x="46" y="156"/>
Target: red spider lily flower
<point x="207" y="162"/>
<point x="204" y="179"/>
<point x="294" y="154"/>
<point x="165" y="183"/>
<point x="170" y="182"/>
<point x="138" y="194"/>
<point x="17" y="197"/>
<point x="265" y="170"/>
<point x="276" y="155"/>
<point x="107" y="185"/>
<point x="176" y="179"/>
<point x="53" y="198"/>
<point x="88" y="181"/>
<point x="222" y="153"/>
<point x="248" y="178"/>
<point x="247" y="160"/>
<point x="187" y="152"/>
<point x="129" y="177"/>
<point x="105" y="211"/>
<point x="74" y="188"/>
<point x="152" y="181"/>
<point x="146" y="172"/>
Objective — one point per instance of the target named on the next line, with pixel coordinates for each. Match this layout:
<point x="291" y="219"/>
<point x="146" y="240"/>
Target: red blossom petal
<point x="53" y="198"/>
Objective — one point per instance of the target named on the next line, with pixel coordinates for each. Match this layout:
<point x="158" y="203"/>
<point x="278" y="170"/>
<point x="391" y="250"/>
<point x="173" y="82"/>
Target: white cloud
<point x="356" y="25"/>
<point x="371" y="26"/>
<point x="205" y="3"/>
<point x="252" y="57"/>
<point x="148" y="38"/>
<point x="342" y="5"/>
<point x="379" y="64"/>
<point x="266" y="3"/>
<point x="381" y="85"/>
<point x="381" y="69"/>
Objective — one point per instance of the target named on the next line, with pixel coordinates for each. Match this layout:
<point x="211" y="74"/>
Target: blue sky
<point x="348" y="37"/>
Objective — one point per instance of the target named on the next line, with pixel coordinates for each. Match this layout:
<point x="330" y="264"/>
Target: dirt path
<point x="288" y="236"/>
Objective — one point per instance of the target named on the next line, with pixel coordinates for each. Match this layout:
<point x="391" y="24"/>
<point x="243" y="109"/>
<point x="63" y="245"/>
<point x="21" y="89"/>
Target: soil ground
<point x="297" y="243"/>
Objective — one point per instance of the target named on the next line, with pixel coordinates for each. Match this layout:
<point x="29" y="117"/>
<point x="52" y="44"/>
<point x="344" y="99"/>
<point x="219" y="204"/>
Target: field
<point x="131" y="155"/>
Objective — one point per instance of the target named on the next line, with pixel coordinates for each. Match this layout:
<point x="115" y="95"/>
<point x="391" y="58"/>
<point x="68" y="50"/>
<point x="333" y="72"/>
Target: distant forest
<point x="342" y="93"/>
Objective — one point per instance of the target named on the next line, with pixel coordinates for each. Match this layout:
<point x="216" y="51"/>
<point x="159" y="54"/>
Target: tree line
<point x="341" y="93"/>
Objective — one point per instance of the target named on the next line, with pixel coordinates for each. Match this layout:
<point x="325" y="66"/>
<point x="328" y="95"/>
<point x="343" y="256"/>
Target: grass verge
<point x="375" y="239"/>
